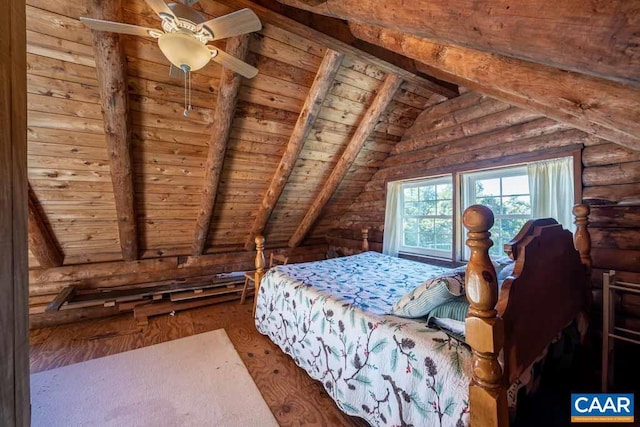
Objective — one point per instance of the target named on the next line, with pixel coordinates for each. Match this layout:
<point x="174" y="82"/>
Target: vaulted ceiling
<point x="313" y="97"/>
<point x="306" y="134"/>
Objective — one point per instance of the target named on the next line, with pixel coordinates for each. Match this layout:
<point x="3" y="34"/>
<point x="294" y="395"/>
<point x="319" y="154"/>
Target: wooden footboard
<point x="546" y="291"/>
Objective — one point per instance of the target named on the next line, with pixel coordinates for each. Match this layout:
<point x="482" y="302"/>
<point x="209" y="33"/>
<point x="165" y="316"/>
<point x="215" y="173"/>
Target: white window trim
<point x="468" y="185"/>
<point x="415" y="250"/>
<point x="460" y="196"/>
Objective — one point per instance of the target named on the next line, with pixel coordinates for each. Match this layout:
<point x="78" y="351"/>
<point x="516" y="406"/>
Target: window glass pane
<point x="444" y="191"/>
<point x="443" y="231"/>
<point x="411" y="208"/>
<point x="426" y="234"/>
<point x="410" y="228"/>
<point x="429" y="207"/>
<point x="428" y="192"/>
<point x="410" y="194"/>
<point x="491" y="202"/>
<point x="510" y="227"/>
<point x="497" y="237"/>
<point x="516" y="205"/>
<point x="488" y="187"/>
<point x="445" y="207"/>
<point x="513" y="185"/>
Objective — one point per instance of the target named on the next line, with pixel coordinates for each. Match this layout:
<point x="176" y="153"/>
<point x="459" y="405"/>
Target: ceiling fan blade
<point x="236" y="23"/>
<point x="234" y="64"/>
<point x="161" y="8"/>
<point x="117" y="27"/>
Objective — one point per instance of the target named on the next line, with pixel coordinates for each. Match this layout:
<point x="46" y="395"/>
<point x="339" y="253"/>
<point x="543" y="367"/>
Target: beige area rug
<point x="195" y="381"/>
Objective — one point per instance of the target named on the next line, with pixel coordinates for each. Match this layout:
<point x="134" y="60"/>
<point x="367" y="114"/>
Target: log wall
<point x="45" y="284"/>
<point x="611" y="179"/>
<point x="476" y="130"/>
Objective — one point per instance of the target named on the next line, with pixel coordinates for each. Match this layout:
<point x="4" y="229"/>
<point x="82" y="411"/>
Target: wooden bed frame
<point x="520" y="321"/>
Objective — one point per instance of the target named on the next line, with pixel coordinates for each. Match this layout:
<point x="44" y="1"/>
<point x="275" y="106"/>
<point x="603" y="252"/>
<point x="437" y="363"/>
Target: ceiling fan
<point x="185" y="34"/>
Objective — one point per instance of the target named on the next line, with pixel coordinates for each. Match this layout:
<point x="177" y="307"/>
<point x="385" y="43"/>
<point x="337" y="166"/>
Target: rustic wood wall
<point x="44" y="284"/>
<point x="477" y="130"/>
<point x="70" y="168"/>
<point x="471" y="128"/>
<point x="612" y="178"/>
<point x="14" y="335"/>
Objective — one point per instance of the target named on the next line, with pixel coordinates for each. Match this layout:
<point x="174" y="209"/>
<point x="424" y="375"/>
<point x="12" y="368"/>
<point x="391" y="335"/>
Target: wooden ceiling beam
<point x="42" y="242"/>
<point x="222" y="118"/>
<point x="312" y="105"/>
<point x="529" y="30"/>
<point x="112" y="84"/>
<point x="364" y="130"/>
<point x="600" y="107"/>
<point x="273" y="18"/>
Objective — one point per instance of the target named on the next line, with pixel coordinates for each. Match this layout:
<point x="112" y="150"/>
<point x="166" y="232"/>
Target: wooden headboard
<point x="546" y="291"/>
<point x="344" y="246"/>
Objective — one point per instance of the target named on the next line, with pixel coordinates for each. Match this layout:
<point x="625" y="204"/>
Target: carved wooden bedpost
<point x="582" y="243"/>
<point x="365" y="239"/>
<point x="259" y="268"/>
<point x="485" y="331"/>
<point x="582" y="239"/>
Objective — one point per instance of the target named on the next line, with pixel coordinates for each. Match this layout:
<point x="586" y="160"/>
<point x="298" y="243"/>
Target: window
<point x="506" y="192"/>
<point x="427" y="217"/>
<point x="423" y="217"/>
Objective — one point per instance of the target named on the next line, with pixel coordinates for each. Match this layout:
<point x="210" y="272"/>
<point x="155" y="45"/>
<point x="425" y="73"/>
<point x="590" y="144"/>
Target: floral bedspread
<point x="370" y="280"/>
<point x="385" y="369"/>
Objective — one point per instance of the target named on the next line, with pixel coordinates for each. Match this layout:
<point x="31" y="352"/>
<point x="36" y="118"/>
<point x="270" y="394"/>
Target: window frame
<point x="416" y="250"/>
<point x="456" y="171"/>
<point x="468" y="181"/>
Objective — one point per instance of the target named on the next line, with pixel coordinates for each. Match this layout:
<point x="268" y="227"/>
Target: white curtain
<point x="392" y="220"/>
<point x="551" y="185"/>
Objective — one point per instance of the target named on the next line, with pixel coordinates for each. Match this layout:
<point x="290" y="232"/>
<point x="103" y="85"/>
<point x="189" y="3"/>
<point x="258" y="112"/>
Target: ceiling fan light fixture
<point x="184" y="50"/>
<point x="154" y="33"/>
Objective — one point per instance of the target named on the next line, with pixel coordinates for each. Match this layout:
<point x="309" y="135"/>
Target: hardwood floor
<point x="294" y="398"/>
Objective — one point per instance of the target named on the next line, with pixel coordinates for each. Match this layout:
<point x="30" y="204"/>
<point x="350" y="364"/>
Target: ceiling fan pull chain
<point x="190" y="107"/>
<point x="186" y="110"/>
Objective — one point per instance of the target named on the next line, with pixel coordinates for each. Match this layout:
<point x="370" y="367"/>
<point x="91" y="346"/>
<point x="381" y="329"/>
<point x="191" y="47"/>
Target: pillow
<point x="500" y="262"/>
<point x="461" y="271"/>
<point x="505" y="272"/>
<point x="420" y="301"/>
<point x="450" y="325"/>
<point x="455" y="309"/>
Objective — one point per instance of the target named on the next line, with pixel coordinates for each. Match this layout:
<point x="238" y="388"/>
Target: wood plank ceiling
<point x="70" y="167"/>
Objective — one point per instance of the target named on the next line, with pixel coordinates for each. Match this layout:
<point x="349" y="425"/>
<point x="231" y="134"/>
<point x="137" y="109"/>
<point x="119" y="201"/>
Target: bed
<point x="344" y="321"/>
